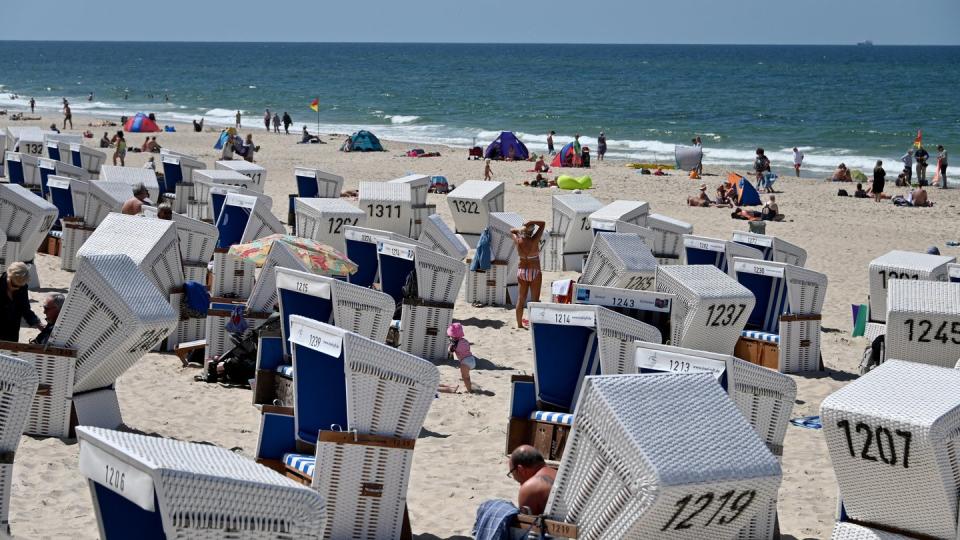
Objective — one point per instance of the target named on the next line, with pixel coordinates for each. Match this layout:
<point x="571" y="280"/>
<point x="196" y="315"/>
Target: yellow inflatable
<point x="569" y="182"/>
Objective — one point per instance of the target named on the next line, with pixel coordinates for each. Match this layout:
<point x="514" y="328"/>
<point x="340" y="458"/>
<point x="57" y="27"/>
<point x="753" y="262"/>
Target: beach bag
<point x="236" y="324"/>
<point x="872" y="355"/>
<point x="842" y="193"/>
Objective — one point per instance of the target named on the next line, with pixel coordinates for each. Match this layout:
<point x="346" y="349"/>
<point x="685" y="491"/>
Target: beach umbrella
<point x="141" y="123"/>
<point x="319" y="258"/>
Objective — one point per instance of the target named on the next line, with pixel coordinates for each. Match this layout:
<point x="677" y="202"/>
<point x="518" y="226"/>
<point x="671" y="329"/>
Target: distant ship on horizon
<point x="865" y="43"/>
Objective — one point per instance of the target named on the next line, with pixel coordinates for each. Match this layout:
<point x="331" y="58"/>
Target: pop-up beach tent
<point x="141" y="123"/>
<point x="501" y="146"/>
<point x="364" y="141"/>
<point x="744" y="194"/>
<point x="567" y="157"/>
<point x="687" y="157"/>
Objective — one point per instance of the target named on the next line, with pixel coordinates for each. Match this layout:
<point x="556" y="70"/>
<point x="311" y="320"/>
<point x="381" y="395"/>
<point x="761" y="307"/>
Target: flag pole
<point x="318" y="117"/>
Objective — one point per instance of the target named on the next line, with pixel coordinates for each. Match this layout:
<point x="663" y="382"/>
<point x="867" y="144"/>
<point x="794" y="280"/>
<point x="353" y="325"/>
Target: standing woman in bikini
<point x="529" y="278"/>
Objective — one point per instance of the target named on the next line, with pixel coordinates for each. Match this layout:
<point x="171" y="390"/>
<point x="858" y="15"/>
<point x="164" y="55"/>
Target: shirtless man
<point x="529" y="278"/>
<point x="134" y="205"/>
<point x="535" y="478"/>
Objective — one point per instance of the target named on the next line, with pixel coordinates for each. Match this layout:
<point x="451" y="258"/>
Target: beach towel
<point x="493" y="520"/>
<point x="860" y="316"/>
<point x="481" y="259"/>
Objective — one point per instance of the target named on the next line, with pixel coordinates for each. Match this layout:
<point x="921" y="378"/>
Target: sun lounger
<point x="150" y="487"/>
<point x="22" y="169"/>
<point x="712" y="306"/>
<point x="923" y="322"/>
<point x="314" y="183"/>
<point x="104" y="198"/>
<point x="704" y="472"/>
<point x="891" y="436"/>
<point x="438" y="236"/>
<point x="324" y="219"/>
<point x="783" y="329"/>
<point x="650" y="307"/>
<point x="606" y="218"/>
<point x="773" y="248"/>
<point x="471" y="204"/>
<point x="361" y="247"/>
<point x="902" y="265"/>
<point x="389" y="207"/>
<point x="256" y="173"/>
<point x="18" y="384"/>
<point x="620" y="260"/>
<point x="715" y="252"/>
<point x="570" y="342"/>
<point x="263" y="296"/>
<point x="133" y="176"/>
<point x="669" y="241"/>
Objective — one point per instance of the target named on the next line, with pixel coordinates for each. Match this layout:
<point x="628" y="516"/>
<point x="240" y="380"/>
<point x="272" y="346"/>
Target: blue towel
<point x="198" y="299"/>
<point x="493" y="520"/>
<point x="481" y="260"/>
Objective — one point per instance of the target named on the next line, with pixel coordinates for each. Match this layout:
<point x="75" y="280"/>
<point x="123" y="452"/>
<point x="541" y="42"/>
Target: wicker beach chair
<point x="892" y="436"/>
<point x="923" y="322"/>
<point x="200" y="204"/>
<point x="419" y="186"/>
<point x="389" y="207"/>
<point x="25" y="219"/>
<point x="471" y="204"/>
<point x="256" y="173"/>
<point x="620" y="260"/>
<point x="704" y="472"/>
<point x="132" y="176"/>
<point x="773" y="248"/>
<point x="715" y="252"/>
<point x="852" y="531"/>
<point x="606" y="218"/>
<point x="162" y="488"/>
<point x="25" y="139"/>
<point x="18" y="385"/>
<point x="324" y="219"/>
<point x="263" y="296"/>
<point x="784" y="325"/>
<point x="360" y="246"/>
<point x="712" y="306"/>
<point x="314" y="183"/>
<point x="198" y="239"/>
<point x="178" y="169"/>
<point x="650" y="307"/>
<point x="570" y="342"/>
<point x="438" y="236"/>
<point x="104" y="198"/>
<point x="244" y="218"/>
<point x="669" y="240"/>
<point x="497" y="286"/>
<point x="49" y="168"/>
<point x="23" y="169"/>
<point x="571" y="232"/>
<point x="901" y="265"/>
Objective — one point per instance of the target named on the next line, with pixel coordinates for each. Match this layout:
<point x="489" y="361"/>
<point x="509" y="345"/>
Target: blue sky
<point x="886" y="22"/>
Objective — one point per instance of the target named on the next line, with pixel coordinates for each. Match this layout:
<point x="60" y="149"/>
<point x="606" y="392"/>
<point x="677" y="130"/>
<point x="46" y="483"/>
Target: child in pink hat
<point x="460" y="347"/>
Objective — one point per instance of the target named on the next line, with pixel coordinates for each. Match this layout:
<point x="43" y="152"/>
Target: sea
<point x="852" y="104"/>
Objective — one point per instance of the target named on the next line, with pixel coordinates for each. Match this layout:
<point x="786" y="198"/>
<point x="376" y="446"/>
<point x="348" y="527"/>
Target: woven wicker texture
<point x="18" y="384"/>
<point x="113" y="315"/>
<point x="208" y="492"/>
<point x="424" y="331"/>
<point x="232" y="276"/>
<point x="197" y="239"/>
<point x="892" y="436"/>
<point x="437" y="235"/>
<point x="713" y="306"/>
<point x="645" y="449"/>
<point x="256" y="173"/>
<point x="901" y="265"/>
<point x="620" y="260"/>
<point x="502" y="247"/>
<point x="472" y="202"/>
<point x="328" y="185"/>
<point x="923" y="322"/>
<point x="104" y="198"/>
<point x="25" y="217"/>
<point x="634" y="212"/>
<point x="489" y="287"/>
<point x="49" y="414"/>
<point x="263" y="296"/>
<point x="419" y="186"/>
<point x="571" y="220"/>
<point x="388" y="206"/>
<point x="132" y="176"/>
<point x="324" y="219"/>
<point x="851" y="531"/>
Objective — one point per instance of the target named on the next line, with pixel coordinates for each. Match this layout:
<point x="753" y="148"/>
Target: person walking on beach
<point x="601" y="146"/>
<point x="761" y="166"/>
<point x="250" y="148"/>
<point x="529" y="278"/>
<point x="797" y="160"/>
<point x="33" y="104"/>
<point x="921" y="156"/>
<point x="698" y="144"/>
<point x="550" y="142"/>
<point x="907" y="160"/>
<point x="942" y="165"/>
<point x="238" y="119"/>
<point x="276" y="122"/>
<point x="67" y="117"/>
<point x="487" y="171"/>
<point x="879" y="178"/>
<point x="266" y="119"/>
<point x="120" y="149"/>
<point x="576" y="146"/>
<point x="287" y="122"/>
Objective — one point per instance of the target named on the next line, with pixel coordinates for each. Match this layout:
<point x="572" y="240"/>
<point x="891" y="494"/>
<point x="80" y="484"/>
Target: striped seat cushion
<point x="301" y="463"/>
<point x="285" y="370"/>
<point x="56" y="234"/>
<point x="564" y="419"/>
<point x="761" y="336"/>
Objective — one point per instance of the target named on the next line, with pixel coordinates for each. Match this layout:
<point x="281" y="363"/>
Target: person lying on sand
<point x="701" y="199"/>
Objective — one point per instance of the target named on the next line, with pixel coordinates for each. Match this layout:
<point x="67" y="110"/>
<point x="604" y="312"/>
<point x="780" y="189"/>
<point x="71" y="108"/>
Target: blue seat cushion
<point x="285" y="370"/>
<point x="301" y="463"/>
<point x="762" y="336"/>
<point x="563" y="419"/>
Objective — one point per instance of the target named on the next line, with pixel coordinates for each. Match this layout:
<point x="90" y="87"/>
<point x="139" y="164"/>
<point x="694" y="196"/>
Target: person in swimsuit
<point x="527" y="239"/>
<point x="529" y="469"/>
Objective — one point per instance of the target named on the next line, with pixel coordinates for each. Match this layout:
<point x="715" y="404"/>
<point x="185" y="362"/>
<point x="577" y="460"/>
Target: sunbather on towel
<point x="749" y="215"/>
<point x="529" y="469"/>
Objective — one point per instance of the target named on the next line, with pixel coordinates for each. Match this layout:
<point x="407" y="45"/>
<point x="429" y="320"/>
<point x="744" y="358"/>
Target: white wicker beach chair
<point x="704" y="472"/>
<point x="650" y="307"/>
<point x="25" y="139"/>
<point x="787" y="313"/>
<point x="715" y="252"/>
<point x="438" y="277"/>
<point x="892" y="436"/>
<point x="388" y="206"/>
<point x="199" y="203"/>
<point x="669" y="242"/>
<point x="178" y="169"/>
<point x="437" y="235"/>
<point x="606" y="218"/>
<point x="104" y="198"/>
<point x="361" y="248"/>
<point x="256" y="173"/>
<point x="902" y="265"/>
<point x="852" y="531"/>
<point x="85" y="157"/>
<point x="714" y="308"/>
<point x="773" y="248"/>
<point x="497" y="285"/>
<point x="923" y="322"/>
<point x="263" y="296"/>
<point x="316" y="183"/>
<point x="132" y="176"/>
<point x="419" y="186"/>
<point x="571" y="233"/>
<point x="324" y="219"/>
<point x="471" y="204"/>
<point x="198" y="239"/>
<point x="162" y="488"/>
<point x="620" y="260"/>
<point x="18" y="384"/>
<point x="648" y="235"/>
<point x="244" y="219"/>
<point x="26" y="219"/>
<point x="23" y="169"/>
<point x="953" y="273"/>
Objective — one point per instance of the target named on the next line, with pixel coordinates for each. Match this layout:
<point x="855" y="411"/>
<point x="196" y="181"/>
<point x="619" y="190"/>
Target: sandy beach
<point x="459" y="459"/>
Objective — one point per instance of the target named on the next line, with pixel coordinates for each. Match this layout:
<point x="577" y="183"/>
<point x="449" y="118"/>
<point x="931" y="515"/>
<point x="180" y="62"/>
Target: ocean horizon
<point x="835" y="102"/>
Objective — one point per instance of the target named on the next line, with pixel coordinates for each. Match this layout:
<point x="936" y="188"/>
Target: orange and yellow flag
<point x="918" y="142"/>
<point x="315" y="105"/>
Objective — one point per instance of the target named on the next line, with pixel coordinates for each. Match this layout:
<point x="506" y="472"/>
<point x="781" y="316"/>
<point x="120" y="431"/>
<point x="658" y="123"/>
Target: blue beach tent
<point x="364" y="141"/>
<point x="501" y="146"/>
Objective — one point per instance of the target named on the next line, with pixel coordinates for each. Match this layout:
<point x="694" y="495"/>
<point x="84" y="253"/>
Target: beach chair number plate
<point x="891" y="274"/>
<point x="640" y="283"/>
<point x="603" y="225"/>
<point x="758" y="269"/>
<point x="706" y="246"/>
<point x="878" y="443"/>
<point x="677" y="363"/>
<point x="724" y="314"/>
<point x="563" y="317"/>
<point x="702" y="511"/>
<point x="117" y="476"/>
<point x="919" y="331"/>
<point x="337" y="223"/>
<point x="315" y="338"/>
<point x="35" y="149"/>
<point x="466" y="207"/>
<point x="378" y="210"/>
<point x="395" y="250"/>
<point x="585" y="224"/>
